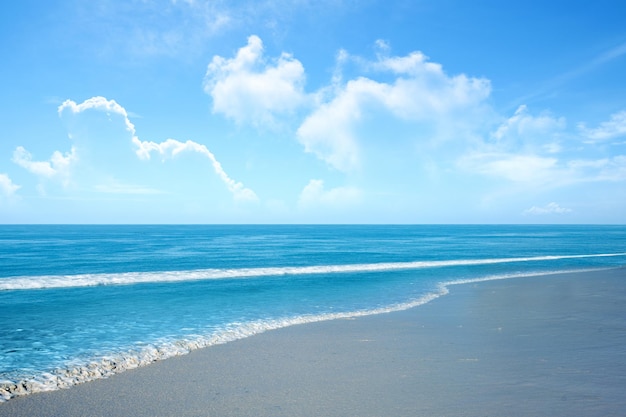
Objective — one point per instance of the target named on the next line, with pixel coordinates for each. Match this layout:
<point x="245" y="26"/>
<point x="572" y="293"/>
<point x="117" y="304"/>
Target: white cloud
<point x="329" y="131"/>
<point x="550" y="208"/>
<point x="314" y="194"/>
<point x="513" y="167"/>
<point x="248" y="88"/>
<point x="169" y="148"/>
<point x="524" y="130"/>
<point x="7" y="187"/>
<point x="605" y="169"/>
<point x="153" y="28"/>
<point x="183" y="28"/>
<point x="421" y="92"/>
<point x="58" y="166"/>
<point x="524" y="150"/>
<point x="113" y="186"/>
<point x="101" y="104"/>
<point x="613" y="128"/>
<point x="534" y="169"/>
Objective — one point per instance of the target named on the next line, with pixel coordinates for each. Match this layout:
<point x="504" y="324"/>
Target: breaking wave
<point x="129" y="278"/>
<point x="107" y="366"/>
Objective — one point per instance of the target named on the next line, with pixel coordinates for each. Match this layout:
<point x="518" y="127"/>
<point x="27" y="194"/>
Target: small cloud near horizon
<point x="550" y="208"/>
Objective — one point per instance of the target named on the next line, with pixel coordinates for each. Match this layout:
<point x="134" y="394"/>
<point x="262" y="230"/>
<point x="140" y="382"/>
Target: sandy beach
<point x="541" y="346"/>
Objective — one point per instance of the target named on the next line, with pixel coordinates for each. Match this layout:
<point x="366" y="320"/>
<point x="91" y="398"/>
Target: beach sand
<point x="539" y="346"/>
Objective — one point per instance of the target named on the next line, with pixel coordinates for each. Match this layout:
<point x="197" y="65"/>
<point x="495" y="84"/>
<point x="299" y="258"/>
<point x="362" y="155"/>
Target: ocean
<point x="84" y="302"/>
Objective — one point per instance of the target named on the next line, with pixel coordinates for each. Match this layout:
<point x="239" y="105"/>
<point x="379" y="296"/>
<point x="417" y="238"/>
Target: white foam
<point x="128" y="278"/>
<point x="114" y="364"/>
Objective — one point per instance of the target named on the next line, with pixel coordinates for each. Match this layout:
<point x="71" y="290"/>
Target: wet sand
<point x="540" y="346"/>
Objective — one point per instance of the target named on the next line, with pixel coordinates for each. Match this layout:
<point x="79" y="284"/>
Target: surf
<point x="133" y="278"/>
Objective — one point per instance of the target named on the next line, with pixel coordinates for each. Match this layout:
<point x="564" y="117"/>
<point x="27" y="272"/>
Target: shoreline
<point x="540" y="345"/>
<point x="65" y="378"/>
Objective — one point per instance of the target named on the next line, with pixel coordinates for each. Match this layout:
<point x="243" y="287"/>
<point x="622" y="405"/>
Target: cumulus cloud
<point x="167" y="149"/>
<point x="613" y="128"/>
<point x="315" y="194"/>
<point x="550" y="208"/>
<point x="7" y="187"/>
<point x="526" y="131"/>
<point x="252" y="89"/>
<point x="171" y="148"/>
<point x="101" y="104"/>
<point x="58" y="166"/>
<point x="420" y="92"/>
<point x="329" y="131"/>
<point x="423" y="89"/>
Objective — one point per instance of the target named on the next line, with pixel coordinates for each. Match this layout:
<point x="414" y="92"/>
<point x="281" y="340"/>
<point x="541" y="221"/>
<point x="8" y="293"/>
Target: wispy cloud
<point x="181" y="29"/>
<point x="548" y="209"/>
<point x="113" y="186"/>
<point x="598" y="61"/>
<point x="155" y="28"/>
<point x="520" y="168"/>
<point x="525" y="131"/>
<point x="527" y="150"/>
<point x="535" y="170"/>
<point x="613" y="128"/>
<point x="611" y="169"/>
<point x="587" y="67"/>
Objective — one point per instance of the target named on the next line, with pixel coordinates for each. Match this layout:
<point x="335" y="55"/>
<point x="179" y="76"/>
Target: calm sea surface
<point x="82" y="302"/>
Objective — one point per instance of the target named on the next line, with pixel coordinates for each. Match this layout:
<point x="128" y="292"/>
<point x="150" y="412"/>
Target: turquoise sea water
<point x="83" y="302"/>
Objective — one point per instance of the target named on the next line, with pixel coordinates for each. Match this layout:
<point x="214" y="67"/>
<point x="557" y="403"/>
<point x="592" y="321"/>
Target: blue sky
<point x="297" y="111"/>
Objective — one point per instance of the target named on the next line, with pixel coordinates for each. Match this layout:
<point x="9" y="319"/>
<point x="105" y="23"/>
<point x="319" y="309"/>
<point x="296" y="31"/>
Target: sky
<point x="326" y="111"/>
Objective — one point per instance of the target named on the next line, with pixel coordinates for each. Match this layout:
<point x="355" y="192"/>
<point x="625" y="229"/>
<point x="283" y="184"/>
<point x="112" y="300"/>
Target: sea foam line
<point x="109" y="365"/>
<point x="128" y="278"/>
